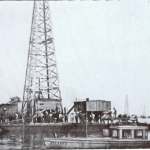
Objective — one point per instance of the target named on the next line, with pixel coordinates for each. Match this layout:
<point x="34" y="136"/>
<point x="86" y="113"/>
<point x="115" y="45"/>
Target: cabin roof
<point x="130" y="127"/>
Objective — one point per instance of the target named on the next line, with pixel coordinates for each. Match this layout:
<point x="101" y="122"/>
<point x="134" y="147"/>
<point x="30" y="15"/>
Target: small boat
<point x="124" y="136"/>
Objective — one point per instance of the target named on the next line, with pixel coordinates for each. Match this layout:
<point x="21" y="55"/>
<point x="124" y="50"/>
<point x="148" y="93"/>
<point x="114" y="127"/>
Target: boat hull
<point x="93" y="143"/>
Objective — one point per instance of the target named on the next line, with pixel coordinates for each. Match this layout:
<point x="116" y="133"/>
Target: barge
<point x="125" y="136"/>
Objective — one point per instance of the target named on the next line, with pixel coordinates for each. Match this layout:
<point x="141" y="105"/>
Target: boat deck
<point x="93" y="139"/>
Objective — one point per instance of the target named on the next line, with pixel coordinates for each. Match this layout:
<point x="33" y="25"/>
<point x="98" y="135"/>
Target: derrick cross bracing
<point x="41" y="79"/>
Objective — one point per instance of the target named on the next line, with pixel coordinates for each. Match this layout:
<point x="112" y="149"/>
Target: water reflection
<point x="9" y="143"/>
<point x="34" y="139"/>
<point x="30" y="139"/>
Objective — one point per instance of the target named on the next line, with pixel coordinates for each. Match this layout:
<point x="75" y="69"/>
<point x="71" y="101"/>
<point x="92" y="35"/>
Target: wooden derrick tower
<point x="126" y="110"/>
<point x="41" y="80"/>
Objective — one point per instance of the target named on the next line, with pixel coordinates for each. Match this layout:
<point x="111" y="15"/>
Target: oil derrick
<point x="126" y="111"/>
<point x="41" y="80"/>
<point x="144" y="113"/>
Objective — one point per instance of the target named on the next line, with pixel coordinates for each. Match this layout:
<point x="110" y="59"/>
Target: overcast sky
<point x="102" y="50"/>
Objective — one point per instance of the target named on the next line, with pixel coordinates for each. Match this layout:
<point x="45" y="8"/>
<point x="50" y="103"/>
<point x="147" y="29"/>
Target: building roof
<point x="14" y="99"/>
<point x="45" y="99"/>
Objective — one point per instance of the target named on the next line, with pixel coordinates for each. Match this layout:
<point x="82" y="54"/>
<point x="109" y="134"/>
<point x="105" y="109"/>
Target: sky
<point x="102" y="50"/>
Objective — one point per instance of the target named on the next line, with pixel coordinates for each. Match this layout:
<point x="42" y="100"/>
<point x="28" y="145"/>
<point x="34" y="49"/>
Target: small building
<point x="43" y="103"/>
<point x="92" y="109"/>
<point x="92" y="106"/>
<point x="126" y="132"/>
<point x="12" y="107"/>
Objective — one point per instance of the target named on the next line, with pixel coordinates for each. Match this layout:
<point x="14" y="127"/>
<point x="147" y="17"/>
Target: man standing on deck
<point x="72" y="118"/>
<point x="51" y="116"/>
<point x="66" y="117"/>
<point x="93" y="117"/>
<point x="115" y="113"/>
<point x="109" y="113"/>
<point x="76" y="116"/>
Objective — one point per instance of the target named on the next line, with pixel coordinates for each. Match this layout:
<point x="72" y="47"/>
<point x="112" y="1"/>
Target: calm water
<point x="32" y="138"/>
<point x="15" y="139"/>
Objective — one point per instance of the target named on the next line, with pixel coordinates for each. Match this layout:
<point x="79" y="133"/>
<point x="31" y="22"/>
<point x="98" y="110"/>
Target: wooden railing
<point x="6" y="121"/>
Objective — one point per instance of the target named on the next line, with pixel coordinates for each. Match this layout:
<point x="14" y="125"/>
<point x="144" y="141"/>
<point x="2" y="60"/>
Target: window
<point x="105" y="132"/>
<point x="138" y="133"/>
<point x="126" y="134"/>
<point x="146" y="134"/>
<point x="114" y="133"/>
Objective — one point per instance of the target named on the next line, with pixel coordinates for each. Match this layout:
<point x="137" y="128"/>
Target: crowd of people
<point x="53" y="116"/>
<point x="10" y="118"/>
<point x="48" y="116"/>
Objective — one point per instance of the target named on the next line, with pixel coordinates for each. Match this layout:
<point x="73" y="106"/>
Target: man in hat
<point x="115" y="113"/>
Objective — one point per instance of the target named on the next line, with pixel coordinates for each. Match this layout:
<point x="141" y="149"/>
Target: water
<point x="34" y="139"/>
<point x="22" y="141"/>
<point x="31" y="138"/>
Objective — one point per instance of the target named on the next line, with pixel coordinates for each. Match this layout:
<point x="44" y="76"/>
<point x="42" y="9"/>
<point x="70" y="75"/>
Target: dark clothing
<point x="39" y="119"/>
<point x="66" y="117"/>
<point x="76" y="117"/>
<point x="96" y="117"/>
<point x="115" y="112"/>
<point x="46" y="118"/>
